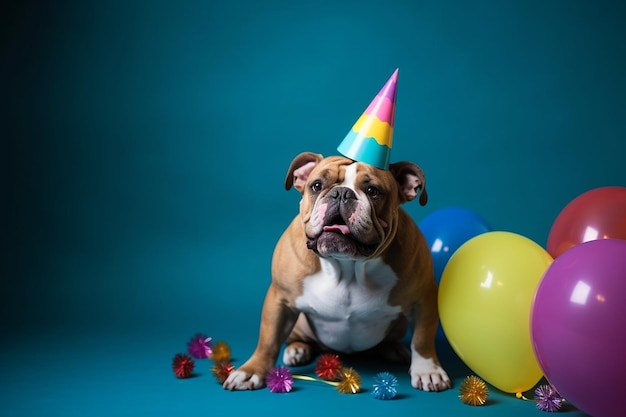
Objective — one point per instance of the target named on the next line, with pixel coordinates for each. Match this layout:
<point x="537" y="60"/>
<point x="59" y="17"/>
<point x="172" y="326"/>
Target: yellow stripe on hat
<point x="370" y="126"/>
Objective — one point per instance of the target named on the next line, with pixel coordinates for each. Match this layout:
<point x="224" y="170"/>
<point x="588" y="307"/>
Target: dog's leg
<point x="302" y="345"/>
<point x="426" y="372"/>
<point x="392" y="349"/>
<point x="277" y="320"/>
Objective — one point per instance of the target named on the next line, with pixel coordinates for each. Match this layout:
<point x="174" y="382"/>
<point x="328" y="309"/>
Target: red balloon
<point x="597" y="214"/>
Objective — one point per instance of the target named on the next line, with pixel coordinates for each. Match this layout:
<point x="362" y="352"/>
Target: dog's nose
<point x="343" y="193"/>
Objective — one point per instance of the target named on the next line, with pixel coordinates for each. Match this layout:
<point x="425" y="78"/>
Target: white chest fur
<point x="347" y="303"/>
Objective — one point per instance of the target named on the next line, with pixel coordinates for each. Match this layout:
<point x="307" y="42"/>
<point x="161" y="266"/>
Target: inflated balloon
<point x="577" y="326"/>
<point x="597" y="214"/>
<point x="485" y="297"/>
<point x="447" y="229"/>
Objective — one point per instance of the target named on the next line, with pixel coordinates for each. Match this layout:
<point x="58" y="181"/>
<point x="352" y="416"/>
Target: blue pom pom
<point x="385" y="386"/>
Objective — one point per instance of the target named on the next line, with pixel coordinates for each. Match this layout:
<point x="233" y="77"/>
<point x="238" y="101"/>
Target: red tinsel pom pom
<point x="222" y="370"/>
<point x="182" y="365"/>
<point x="328" y="367"/>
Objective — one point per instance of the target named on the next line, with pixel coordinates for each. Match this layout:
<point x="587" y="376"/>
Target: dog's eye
<point x="316" y="187"/>
<point x="372" y="191"/>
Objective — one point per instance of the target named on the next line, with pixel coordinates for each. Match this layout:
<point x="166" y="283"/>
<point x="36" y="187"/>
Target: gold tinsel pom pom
<point x="473" y="391"/>
<point x="221" y="352"/>
<point x="350" y="382"/>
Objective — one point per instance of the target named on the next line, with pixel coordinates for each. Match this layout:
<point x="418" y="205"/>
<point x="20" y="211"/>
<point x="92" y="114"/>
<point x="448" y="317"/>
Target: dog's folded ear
<point x="300" y="168"/>
<point x="411" y="181"/>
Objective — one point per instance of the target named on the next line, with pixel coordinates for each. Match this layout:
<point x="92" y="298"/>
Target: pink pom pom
<point x="279" y="379"/>
<point x="199" y="346"/>
<point x="548" y="399"/>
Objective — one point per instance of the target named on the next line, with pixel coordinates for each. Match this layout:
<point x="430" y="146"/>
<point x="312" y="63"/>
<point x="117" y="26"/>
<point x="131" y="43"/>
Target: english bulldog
<point x="348" y="274"/>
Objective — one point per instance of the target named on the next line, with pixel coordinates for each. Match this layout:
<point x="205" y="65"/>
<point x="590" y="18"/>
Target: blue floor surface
<point x="107" y="374"/>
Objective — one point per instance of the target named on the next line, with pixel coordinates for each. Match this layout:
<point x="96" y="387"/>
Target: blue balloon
<point x="447" y="229"/>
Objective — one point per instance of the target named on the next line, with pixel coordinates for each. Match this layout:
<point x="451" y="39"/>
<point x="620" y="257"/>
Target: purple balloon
<point x="577" y="323"/>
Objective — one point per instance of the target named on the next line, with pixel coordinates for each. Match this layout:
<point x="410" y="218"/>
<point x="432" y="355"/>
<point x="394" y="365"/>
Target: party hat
<point x="371" y="136"/>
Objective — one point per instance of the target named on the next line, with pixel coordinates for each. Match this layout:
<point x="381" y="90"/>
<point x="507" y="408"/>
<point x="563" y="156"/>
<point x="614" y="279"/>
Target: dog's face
<point x="349" y="209"/>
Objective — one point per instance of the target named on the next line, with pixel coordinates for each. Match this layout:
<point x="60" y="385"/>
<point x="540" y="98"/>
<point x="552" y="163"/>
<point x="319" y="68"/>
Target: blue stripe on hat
<point x="366" y="150"/>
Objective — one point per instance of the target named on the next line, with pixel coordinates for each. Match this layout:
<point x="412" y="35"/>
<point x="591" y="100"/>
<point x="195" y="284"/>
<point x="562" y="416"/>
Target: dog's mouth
<point x="337" y="239"/>
<point x="337" y="224"/>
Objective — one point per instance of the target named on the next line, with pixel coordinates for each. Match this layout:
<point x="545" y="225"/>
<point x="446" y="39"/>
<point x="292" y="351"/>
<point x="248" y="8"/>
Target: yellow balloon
<point x="485" y="297"/>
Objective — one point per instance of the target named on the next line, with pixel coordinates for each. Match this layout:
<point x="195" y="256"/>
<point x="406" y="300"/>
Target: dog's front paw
<point x="428" y="376"/>
<point x="241" y="380"/>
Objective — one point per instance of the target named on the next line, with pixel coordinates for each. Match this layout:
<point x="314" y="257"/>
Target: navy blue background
<point x="145" y="145"/>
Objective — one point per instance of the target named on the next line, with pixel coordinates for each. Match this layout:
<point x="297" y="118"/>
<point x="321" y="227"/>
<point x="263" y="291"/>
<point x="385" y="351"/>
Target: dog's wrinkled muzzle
<point x="343" y="227"/>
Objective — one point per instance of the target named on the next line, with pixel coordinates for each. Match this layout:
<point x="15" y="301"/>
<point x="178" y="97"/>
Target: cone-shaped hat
<point x="371" y="136"/>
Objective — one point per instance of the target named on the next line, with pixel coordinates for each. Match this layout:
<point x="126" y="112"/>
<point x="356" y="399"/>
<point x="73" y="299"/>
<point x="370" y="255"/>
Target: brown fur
<point x="415" y="291"/>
